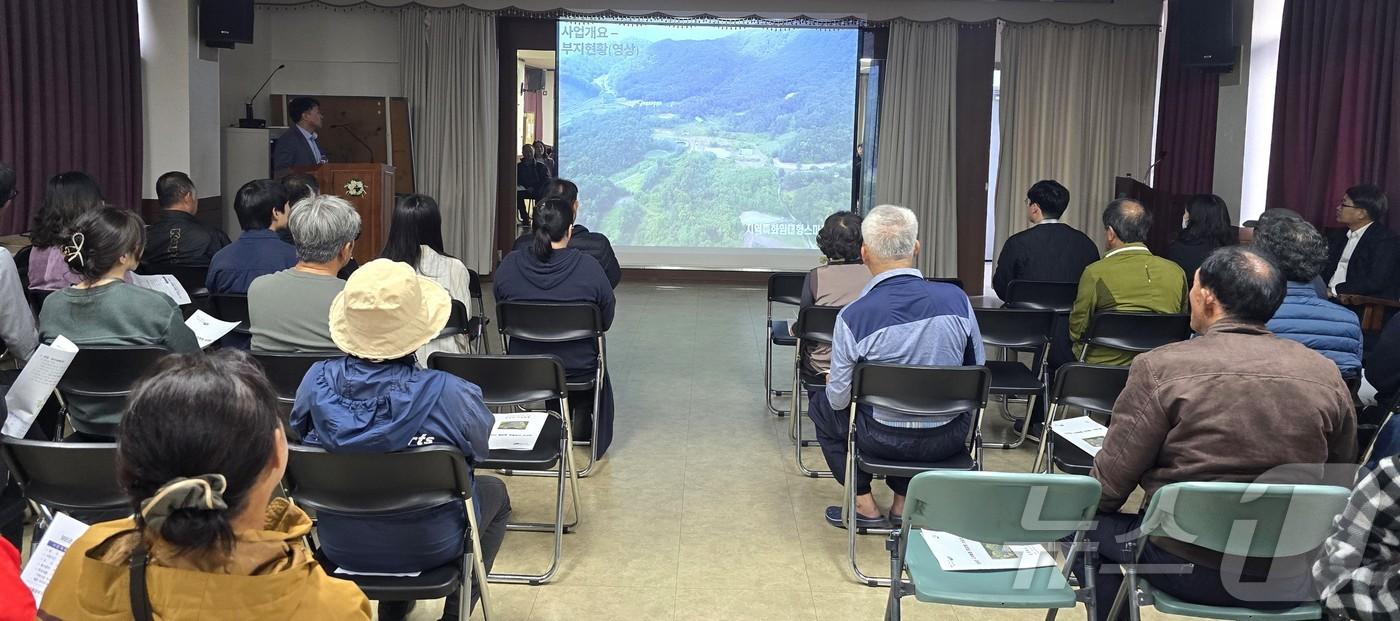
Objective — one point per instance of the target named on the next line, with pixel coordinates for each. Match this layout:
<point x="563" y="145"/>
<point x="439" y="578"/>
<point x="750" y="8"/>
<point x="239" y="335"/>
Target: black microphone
<point x="248" y="120"/>
<point x="346" y="127"/>
<point x="1160" y="156"/>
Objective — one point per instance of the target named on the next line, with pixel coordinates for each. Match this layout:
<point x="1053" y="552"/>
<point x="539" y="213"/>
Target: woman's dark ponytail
<point x="553" y="218"/>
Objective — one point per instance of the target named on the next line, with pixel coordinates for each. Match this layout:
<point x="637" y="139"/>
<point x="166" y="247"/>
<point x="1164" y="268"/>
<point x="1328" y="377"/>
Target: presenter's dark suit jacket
<point x="1050" y="251"/>
<point x="1373" y="267"/>
<point x="291" y="149"/>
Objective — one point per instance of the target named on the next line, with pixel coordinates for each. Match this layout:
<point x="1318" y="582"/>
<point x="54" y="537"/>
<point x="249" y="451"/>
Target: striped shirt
<point x="900" y="318"/>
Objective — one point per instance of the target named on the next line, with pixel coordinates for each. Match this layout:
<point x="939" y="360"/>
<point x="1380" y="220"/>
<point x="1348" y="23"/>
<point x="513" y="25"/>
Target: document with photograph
<point x="35" y="383"/>
<point x="208" y="330"/>
<point x="164" y="283"/>
<point x="517" y="431"/>
<point x="955" y="553"/>
<point x="1084" y="433"/>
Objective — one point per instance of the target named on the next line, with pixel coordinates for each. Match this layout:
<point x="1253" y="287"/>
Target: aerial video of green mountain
<point x="707" y="137"/>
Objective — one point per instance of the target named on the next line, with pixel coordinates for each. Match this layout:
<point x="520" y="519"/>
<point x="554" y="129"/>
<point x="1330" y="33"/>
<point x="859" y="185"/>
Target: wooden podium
<point x="375" y="202"/>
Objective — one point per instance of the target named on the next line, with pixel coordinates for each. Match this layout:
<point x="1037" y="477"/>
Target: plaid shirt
<point x="1359" y="569"/>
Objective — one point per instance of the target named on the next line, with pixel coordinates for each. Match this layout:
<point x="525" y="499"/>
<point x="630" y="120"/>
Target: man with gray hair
<point x="289" y="311"/>
<point x="899" y="318"/>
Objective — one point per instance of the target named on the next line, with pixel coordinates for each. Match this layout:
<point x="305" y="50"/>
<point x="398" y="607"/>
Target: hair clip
<point x="74" y="251"/>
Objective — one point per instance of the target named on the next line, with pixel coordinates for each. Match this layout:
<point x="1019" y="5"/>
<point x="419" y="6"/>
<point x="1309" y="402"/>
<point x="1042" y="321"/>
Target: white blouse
<point x="453" y="276"/>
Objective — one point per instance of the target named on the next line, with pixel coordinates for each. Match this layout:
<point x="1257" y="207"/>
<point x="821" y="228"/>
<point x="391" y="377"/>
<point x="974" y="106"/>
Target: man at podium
<point x="297" y="146"/>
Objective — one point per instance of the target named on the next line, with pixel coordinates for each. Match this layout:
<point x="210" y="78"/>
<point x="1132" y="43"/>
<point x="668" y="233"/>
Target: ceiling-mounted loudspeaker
<point x="1207" y="29"/>
<point x="222" y="23"/>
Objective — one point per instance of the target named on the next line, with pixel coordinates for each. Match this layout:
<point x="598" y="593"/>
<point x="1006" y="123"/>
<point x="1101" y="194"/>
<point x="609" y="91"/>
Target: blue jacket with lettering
<point x="353" y="405"/>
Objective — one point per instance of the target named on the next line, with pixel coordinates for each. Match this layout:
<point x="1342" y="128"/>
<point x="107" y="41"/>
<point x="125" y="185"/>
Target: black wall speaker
<point x="223" y="23"/>
<point x="534" y="80"/>
<point x="1207" y="30"/>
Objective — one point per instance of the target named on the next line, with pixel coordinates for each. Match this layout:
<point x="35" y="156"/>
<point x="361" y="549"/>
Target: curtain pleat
<point x="449" y="76"/>
<point x="918" y="148"/>
<point x="1337" y="105"/>
<point x="70" y="99"/>
<point x="1076" y="106"/>
<point x="1186" y="120"/>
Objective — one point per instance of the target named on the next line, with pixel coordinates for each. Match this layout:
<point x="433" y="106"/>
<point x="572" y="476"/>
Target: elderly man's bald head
<point x="1244" y="281"/>
<point x="1129" y="220"/>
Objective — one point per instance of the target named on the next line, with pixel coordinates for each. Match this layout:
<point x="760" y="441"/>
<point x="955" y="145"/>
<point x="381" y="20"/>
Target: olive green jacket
<point x="1129" y="279"/>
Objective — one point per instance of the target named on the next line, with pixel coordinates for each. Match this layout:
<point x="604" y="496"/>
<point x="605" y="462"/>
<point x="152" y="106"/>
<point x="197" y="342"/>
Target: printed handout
<point x="1083" y="432"/>
<point x="955" y="553"/>
<point x="517" y="431"/>
<point x="35" y="384"/>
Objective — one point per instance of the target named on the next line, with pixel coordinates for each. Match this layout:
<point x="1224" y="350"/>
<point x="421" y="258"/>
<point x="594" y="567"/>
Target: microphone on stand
<point x="1160" y="156"/>
<point x="248" y="121"/>
<point x="346" y="127"/>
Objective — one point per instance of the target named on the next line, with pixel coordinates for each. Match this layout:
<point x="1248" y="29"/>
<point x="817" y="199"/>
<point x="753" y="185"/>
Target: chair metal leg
<point x="896" y="545"/>
<point x="768" y="391"/>
<point x="557" y="528"/>
<point x="593" y="457"/>
<point x="795" y="427"/>
<point x="1025" y="428"/>
<point x="849" y="515"/>
<point x="1041" y="452"/>
<point x="478" y="569"/>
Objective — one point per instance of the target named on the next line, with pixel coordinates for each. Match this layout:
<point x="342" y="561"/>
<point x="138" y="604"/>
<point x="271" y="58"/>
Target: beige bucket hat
<point x="388" y="311"/>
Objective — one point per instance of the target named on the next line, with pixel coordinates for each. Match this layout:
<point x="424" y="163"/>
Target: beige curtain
<point x="916" y="163"/>
<point x="1076" y="106"/>
<point x="449" y="77"/>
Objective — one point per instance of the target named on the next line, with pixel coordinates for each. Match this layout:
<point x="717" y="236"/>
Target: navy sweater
<point x="567" y="276"/>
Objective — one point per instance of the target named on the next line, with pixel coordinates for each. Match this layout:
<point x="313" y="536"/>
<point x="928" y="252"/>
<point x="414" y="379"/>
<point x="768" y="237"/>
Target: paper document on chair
<point x="58" y="537"/>
<point x="164" y="283"/>
<point x="207" y="329"/>
<point x="957" y="554"/>
<point x="517" y="431"/>
<point x="1084" y="433"/>
<point x="35" y="383"/>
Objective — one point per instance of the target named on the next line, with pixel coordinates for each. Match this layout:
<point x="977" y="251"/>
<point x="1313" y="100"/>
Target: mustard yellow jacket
<point x="269" y="575"/>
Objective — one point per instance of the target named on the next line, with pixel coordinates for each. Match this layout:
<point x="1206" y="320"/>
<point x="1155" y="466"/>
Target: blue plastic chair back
<point x="1001" y="507"/>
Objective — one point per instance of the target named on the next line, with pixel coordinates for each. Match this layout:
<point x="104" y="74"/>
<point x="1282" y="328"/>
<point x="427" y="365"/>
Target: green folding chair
<point x="1239" y="519"/>
<point x="993" y="508"/>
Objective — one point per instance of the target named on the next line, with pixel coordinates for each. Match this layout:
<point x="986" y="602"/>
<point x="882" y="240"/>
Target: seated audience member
<point x="1204" y="227"/>
<point x="177" y="238"/>
<point x="289" y="311"/>
<point x="17" y="333"/>
<point x="899" y="318"/>
<point x="376" y="400"/>
<point x="1128" y="279"/>
<point x="1048" y="251"/>
<point x="102" y="310"/>
<point x="837" y="282"/>
<point x="550" y="271"/>
<point x="595" y="245"/>
<point x="1357" y="571"/>
<point x="1363" y="260"/>
<point x="1180" y="417"/>
<point x="296" y="186"/>
<point x="1300" y="251"/>
<point x="16" y="602"/>
<point x="262" y="210"/>
<point x="201" y="455"/>
<point x="531" y="176"/>
<point x="1383" y="364"/>
<point x="66" y="197"/>
<point x="415" y="238"/>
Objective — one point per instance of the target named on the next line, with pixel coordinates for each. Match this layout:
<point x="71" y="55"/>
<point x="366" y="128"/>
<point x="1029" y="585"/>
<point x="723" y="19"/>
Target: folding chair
<point x="1387" y="437"/>
<point x="106" y="373"/>
<point x="815" y="324"/>
<point x="191" y="278"/>
<point x="286" y="370"/>
<point x="77" y="478"/>
<point x="1236" y="519"/>
<point x="957" y="282"/>
<point x="918" y="391"/>
<point x="460" y="322"/>
<point x="36" y="299"/>
<point x="231" y="307"/>
<point x="996" y="508"/>
<point x="476" y="309"/>
<point x="783" y="288"/>
<point x="1135" y="332"/>
<point x="508" y="382"/>
<point x="1087" y="387"/>
<point x="1042" y="295"/>
<point x="546" y="322"/>
<point x="374" y="484"/>
<point x="1015" y="330"/>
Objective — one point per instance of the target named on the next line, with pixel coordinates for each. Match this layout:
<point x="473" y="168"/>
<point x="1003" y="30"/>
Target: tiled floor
<point x="699" y="512"/>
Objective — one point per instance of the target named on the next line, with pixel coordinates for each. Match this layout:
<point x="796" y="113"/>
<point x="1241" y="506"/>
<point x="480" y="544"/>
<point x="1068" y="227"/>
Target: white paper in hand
<point x="955" y="553"/>
<point x="35" y="383"/>
<point x="207" y="329"/>
<point x="517" y="431"/>
<point x="164" y="283"/>
<point x="59" y="536"/>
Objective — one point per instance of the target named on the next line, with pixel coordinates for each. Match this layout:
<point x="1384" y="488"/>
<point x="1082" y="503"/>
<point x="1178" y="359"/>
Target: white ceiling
<point x="539" y="59"/>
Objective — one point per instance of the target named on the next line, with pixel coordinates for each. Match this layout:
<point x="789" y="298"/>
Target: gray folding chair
<point x="815" y="324"/>
<point x="783" y="288"/>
